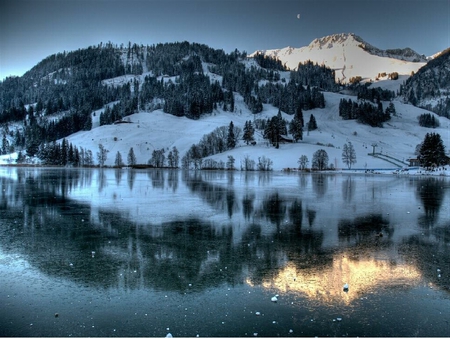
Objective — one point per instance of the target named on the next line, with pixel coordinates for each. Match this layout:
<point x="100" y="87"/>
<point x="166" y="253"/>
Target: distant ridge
<point x="350" y="56"/>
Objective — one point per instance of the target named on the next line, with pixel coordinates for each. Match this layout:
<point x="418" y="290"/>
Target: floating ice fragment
<point x="345" y="287"/>
<point x="190" y="284"/>
<point x="438" y="270"/>
<point x="274" y="322"/>
<point x="167" y="329"/>
<point x="255" y="334"/>
<point x="93" y="254"/>
<point x="274" y="299"/>
<point x="291" y="331"/>
<point x="258" y="313"/>
<point x="339" y="319"/>
<point x="169" y="335"/>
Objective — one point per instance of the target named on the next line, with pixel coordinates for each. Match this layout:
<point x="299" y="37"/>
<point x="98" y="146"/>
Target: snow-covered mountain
<point x="350" y="56"/>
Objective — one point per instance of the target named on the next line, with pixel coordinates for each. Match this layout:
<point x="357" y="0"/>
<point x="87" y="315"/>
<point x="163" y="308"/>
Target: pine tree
<point x="118" y="162"/>
<point x="231" y="141"/>
<point x="176" y="157"/>
<point x="249" y="132"/>
<point x="312" y="124"/>
<point x="296" y="125"/>
<point x="131" y="158"/>
<point x="432" y="151"/>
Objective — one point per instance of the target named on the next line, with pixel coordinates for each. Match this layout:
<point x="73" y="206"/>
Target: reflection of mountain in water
<point x="281" y="238"/>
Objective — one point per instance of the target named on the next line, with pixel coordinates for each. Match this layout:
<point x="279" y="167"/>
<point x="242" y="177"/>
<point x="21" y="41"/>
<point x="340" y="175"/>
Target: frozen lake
<point x="146" y="253"/>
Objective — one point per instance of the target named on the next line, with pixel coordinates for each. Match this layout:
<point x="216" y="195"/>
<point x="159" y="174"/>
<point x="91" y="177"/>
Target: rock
<point x="346" y="287"/>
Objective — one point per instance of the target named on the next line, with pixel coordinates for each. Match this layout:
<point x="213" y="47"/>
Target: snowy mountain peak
<point x="350" y="56"/>
<point x="340" y="39"/>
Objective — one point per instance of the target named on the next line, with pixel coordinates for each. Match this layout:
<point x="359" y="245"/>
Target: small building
<point x="414" y="162"/>
<point x="286" y="139"/>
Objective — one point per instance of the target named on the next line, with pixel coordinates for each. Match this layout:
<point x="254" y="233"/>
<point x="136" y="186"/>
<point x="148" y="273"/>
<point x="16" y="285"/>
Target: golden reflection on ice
<point x="362" y="275"/>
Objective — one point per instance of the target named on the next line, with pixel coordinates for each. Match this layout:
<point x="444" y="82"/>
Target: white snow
<point x="344" y="54"/>
<point x="157" y="130"/>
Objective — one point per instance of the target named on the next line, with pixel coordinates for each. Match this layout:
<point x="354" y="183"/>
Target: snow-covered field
<point x="155" y="130"/>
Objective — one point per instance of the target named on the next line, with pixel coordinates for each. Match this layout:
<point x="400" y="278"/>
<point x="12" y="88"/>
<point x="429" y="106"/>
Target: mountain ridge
<point x="349" y="55"/>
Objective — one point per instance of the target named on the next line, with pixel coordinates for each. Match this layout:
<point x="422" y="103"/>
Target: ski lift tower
<point x="374" y="145"/>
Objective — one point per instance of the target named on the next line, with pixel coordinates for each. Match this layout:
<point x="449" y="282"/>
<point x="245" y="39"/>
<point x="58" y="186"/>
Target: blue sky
<point x="31" y="30"/>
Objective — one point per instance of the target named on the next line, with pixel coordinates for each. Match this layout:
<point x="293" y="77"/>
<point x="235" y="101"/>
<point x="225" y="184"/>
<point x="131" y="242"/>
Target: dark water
<point x="147" y="253"/>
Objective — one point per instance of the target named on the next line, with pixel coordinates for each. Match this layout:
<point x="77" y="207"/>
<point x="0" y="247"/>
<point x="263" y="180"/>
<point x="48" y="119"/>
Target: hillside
<point x="156" y="130"/>
<point x="429" y="88"/>
<point x="154" y="98"/>
<point x="350" y="56"/>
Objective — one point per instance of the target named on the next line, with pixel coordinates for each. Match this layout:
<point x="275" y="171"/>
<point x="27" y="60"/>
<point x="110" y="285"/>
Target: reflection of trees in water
<point x="363" y="228"/>
<point x="157" y="177"/>
<point x="311" y="214"/>
<point x="172" y="180"/>
<point x="53" y="231"/>
<point x="348" y="189"/>
<point x="296" y="214"/>
<point x="219" y="197"/>
<point x="247" y="205"/>
<point x="131" y="177"/>
<point x="102" y="183"/>
<point x="58" y="237"/>
<point x="431" y="193"/>
<point x="320" y="184"/>
<point x="303" y="181"/>
<point x="273" y="207"/>
<point x="118" y="175"/>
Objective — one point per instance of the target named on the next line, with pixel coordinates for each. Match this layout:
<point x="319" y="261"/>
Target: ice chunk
<point x="274" y="299"/>
<point x="345" y="287"/>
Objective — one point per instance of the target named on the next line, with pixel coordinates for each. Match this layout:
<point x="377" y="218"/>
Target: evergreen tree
<point x="296" y="125"/>
<point x="231" y="141"/>
<point x="5" y="145"/>
<point x="176" y="157"/>
<point x="432" y="151"/>
<point x="131" y="158"/>
<point x="118" y="162"/>
<point x="348" y="155"/>
<point x="249" y="132"/>
<point x="312" y="124"/>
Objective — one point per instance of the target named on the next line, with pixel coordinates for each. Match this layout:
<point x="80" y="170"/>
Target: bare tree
<point x="102" y="155"/>
<point x="320" y="160"/>
<point x="348" y="154"/>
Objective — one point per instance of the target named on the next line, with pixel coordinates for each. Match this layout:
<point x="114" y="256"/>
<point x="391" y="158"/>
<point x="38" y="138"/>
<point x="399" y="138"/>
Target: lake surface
<point x="147" y="253"/>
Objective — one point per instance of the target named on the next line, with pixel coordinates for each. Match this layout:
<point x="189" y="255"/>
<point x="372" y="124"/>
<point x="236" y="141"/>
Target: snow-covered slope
<point x="350" y="56"/>
<point x="157" y="130"/>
